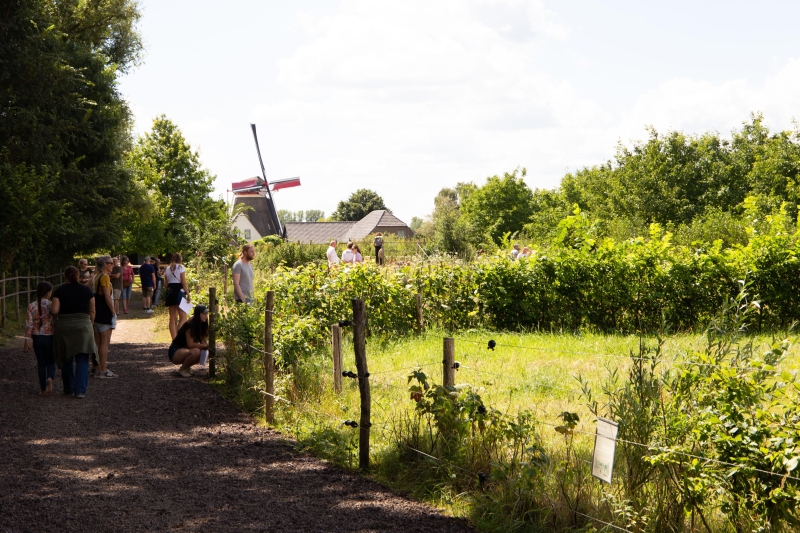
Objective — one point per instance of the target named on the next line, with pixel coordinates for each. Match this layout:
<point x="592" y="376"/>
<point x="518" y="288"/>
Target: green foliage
<point x="358" y="205"/>
<point x="183" y="217"/>
<point x="64" y="128"/>
<point x="501" y="205"/>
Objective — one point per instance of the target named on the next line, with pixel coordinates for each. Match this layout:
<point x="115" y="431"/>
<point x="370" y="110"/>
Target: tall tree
<point x="312" y="215"/>
<point x="502" y="205"/>
<point x="165" y="164"/>
<point x="64" y="127"/>
<point x="360" y="204"/>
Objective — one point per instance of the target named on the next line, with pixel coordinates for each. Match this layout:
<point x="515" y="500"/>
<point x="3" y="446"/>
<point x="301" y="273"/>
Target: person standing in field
<point x="515" y="252"/>
<point x="127" y="282"/>
<point x="39" y="330"/>
<point x="177" y="289"/>
<point x="116" y="284"/>
<point x="243" y="275"/>
<point x="85" y="277"/>
<point x="357" y="258"/>
<point x="378" y="243"/>
<point x="73" y="335"/>
<point x="347" y="255"/>
<point x="105" y="318"/>
<point x="159" y="280"/>
<point x="147" y="276"/>
<point x="333" y="258"/>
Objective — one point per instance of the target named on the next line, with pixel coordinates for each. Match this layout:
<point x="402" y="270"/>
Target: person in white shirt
<point x="515" y="252"/>
<point x="333" y="258"/>
<point x="347" y="255"/>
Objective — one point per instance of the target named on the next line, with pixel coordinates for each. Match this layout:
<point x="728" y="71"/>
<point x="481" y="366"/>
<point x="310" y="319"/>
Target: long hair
<point x="176" y="260"/>
<point x="42" y="288"/>
<point x="71" y="274"/>
<point x="199" y="328"/>
<point x="100" y="264"/>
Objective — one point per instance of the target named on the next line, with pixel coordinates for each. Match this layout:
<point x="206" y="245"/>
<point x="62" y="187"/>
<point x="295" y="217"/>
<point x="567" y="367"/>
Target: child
<point x="39" y="329"/>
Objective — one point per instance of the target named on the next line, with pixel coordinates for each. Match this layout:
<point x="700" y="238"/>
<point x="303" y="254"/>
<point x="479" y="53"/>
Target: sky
<point x="408" y="97"/>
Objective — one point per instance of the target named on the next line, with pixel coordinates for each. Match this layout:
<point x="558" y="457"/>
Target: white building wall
<point x="242" y="224"/>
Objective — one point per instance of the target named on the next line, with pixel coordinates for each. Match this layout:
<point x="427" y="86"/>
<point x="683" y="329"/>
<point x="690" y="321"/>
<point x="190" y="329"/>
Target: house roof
<point x="258" y="215"/>
<point x="324" y="232"/>
<point x="318" y="232"/>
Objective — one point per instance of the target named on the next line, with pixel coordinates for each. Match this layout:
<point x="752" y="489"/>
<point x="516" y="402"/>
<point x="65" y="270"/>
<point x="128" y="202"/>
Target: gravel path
<point x="151" y="451"/>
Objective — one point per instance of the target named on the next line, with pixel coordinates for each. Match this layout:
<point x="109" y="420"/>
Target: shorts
<point x="172" y="350"/>
<point x="115" y="293"/>
<point x="174" y="294"/>
<point x="100" y="328"/>
<point x="147" y="292"/>
<point x="126" y="292"/>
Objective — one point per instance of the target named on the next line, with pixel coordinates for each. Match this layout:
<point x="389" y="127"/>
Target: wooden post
<point x="336" y="348"/>
<point x="212" y="332"/>
<point x="360" y="346"/>
<point x="418" y="299"/>
<point x="269" y="359"/>
<point x="225" y="282"/>
<point x="3" y="302"/>
<point x="16" y="293"/>
<point x="448" y="372"/>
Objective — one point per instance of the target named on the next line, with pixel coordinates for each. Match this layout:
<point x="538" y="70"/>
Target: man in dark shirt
<point x="147" y="275"/>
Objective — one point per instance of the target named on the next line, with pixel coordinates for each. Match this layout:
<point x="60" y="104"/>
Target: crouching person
<point x="190" y="342"/>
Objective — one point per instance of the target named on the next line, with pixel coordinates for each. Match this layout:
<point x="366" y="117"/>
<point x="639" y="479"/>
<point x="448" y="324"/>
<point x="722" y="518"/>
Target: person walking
<point x="175" y="276"/>
<point x="39" y="330"/>
<point x="73" y="336"/>
<point x="378" y="243"/>
<point x="105" y="319"/>
<point x="116" y="284"/>
<point x="159" y="280"/>
<point x="243" y="275"/>
<point x="147" y="277"/>
<point x="191" y="340"/>
<point x="333" y="258"/>
<point x="85" y="272"/>
<point x="127" y="282"/>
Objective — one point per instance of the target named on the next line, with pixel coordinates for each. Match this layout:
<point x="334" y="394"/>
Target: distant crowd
<point x="352" y="253"/>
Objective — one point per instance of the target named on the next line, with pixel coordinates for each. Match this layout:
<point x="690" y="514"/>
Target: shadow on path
<point x="151" y="451"/>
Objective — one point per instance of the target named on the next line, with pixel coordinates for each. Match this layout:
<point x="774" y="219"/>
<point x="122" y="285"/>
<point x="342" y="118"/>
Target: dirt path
<point x="151" y="451"/>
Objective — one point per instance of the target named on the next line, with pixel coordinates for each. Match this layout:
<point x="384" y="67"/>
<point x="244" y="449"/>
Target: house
<point x="323" y="232"/>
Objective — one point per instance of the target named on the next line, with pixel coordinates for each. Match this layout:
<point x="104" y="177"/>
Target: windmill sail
<point x="271" y="209"/>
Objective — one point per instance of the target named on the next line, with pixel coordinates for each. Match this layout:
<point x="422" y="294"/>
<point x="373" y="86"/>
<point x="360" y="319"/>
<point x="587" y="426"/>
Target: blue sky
<point x="407" y="97"/>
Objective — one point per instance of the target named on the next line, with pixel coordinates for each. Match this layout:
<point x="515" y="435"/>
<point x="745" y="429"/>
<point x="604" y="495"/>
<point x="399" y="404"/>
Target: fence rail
<point x="18" y="291"/>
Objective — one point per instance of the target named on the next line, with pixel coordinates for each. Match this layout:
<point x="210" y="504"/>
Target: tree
<point x="313" y="215"/>
<point x="360" y="204"/>
<point x="64" y="128"/>
<point x="502" y="205"/>
<point x="416" y="222"/>
<point x="164" y="162"/>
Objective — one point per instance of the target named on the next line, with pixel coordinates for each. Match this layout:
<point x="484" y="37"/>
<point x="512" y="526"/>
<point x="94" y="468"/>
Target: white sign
<point x="605" y="444"/>
<point x="185" y="306"/>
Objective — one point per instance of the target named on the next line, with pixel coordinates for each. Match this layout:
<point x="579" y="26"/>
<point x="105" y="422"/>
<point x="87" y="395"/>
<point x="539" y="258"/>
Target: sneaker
<point x="107" y="374"/>
<point x="80" y="396"/>
<point x="185" y="372"/>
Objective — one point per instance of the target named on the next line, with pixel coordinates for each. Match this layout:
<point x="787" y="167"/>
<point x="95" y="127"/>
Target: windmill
<point x="261" y="186"/>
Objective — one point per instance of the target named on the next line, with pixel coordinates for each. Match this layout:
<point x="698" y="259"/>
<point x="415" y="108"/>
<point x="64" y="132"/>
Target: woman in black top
<point x="191" y="340"/>
<point x="73" y="336"/>
<point x="105" y="320"/>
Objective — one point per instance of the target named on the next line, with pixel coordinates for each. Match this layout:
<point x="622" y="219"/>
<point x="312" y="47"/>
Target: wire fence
<point x="397" y="380"/>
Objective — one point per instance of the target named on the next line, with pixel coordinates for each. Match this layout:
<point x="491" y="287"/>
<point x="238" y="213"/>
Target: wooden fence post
<point x="3" y="302"/>
<point x="269" y="359"/>
<point x="212" y="332"/>
<point x="420" y="324"/>
<point x="360" y="346"/>
<point x="448" y="372"/>
<point x="336" y="349"/>
<point x="16" y="293"/>
<point x="225" y="282"/>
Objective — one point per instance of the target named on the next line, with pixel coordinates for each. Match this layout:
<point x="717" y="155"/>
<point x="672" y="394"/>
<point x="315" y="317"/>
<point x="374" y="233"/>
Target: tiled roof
<point x="324" y="232"/>
<point x="318" y="232"/>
